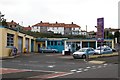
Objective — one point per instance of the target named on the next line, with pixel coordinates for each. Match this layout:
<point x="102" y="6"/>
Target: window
<point x="58" y="43"/>
<point x="51" y="43"/>
<point x="48" y="43"/>
<point x="10" y="39"/>
<point x="62" y="43"/>
<point x="10" y="26"/>
<point x="55" y="42"/>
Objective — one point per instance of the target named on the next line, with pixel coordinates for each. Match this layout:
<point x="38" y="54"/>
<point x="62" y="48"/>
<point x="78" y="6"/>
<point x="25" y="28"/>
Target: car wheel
<point x="95" y="54"/>
<point x="83" y="56"/>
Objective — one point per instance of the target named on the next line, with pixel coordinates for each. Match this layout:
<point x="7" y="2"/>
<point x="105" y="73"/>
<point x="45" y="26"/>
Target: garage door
<point x="32" y="45"/>
<point x="20" y="44"/>
<point x="27" y="44"/>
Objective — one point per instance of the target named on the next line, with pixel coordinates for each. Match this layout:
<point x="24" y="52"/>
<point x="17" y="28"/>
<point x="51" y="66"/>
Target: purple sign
<point x="100" y="29"/>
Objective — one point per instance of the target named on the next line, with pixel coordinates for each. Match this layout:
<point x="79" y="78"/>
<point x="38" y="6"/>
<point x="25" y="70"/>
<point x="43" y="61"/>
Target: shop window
<point x="51" y="43"/>
<point x="62" y="43"/>
<point x="48" y="43"/>
<point x="58" y="43"/>
<point x="55" y="43"/>
<point x="10" y="39"/>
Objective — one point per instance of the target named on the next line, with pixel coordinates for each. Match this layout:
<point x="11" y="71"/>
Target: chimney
<point x="40" y="21"/>
<point x="72" y="22"/>
<point x="12" y="21"/>
<point x="56" y="22"/>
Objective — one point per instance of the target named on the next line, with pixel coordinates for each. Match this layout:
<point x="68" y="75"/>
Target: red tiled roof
<point x="57" y="25"/>
<point x="27" y="28"/>
<point x="12" y="23"/>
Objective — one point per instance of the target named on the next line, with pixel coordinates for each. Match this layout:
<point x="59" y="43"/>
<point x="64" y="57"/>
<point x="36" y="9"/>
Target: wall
<point x="4" y="49"/>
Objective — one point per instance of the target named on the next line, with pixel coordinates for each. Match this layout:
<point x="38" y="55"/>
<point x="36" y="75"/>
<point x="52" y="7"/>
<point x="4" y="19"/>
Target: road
<point x="56" y="66"/>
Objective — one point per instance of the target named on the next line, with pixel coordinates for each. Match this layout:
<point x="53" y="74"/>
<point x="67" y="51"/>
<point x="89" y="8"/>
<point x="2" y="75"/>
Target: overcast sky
<point x="81" y="12"/>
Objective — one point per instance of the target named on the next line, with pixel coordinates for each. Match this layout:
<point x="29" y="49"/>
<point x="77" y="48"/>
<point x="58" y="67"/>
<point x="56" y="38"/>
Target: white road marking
<point x="51" y="66"/>
<point x="80" y="68"/>
<point x="105" y="64"/>
<point x="60" y="75"/>
<point x="88" y="67"/>
<point x="99" y="66"/>
<point x="78" y="71"/>
<point x="93" y="66"/>
<point x="73" y="70"/>
<point x="85" y="69"/>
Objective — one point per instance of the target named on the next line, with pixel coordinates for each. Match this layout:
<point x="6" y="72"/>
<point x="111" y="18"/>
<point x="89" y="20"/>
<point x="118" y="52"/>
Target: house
<point x="91" y="34"/>
<point x="14" y="25"/>
<point x="57" y="28"/>
<point x="27" y="28"/>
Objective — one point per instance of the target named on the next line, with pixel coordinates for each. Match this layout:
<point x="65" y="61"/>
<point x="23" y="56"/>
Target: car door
<point x="91" y="51"/>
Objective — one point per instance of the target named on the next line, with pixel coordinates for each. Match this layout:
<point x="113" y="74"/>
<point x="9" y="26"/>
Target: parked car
<point x="83" y="52"/>
<point x="45" y="50"/>
<point x="103" y="50"/>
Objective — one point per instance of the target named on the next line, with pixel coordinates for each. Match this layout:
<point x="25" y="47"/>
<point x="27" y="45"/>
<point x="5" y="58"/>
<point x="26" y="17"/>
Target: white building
<point x="58" y="28"/>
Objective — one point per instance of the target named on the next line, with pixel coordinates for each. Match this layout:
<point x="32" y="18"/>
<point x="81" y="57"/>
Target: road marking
<point x="73" y="70"/>
<point x="10" y="70"/>
<point x="105" y="64"/>
<point x="51" y="66"/>
<point x="88" y="67"/>
<point x="85" y="69"/>
<point x="93" y="66"/>
<point x="99" y="66"/>
<point x="78" y="71"/>
<point x="62" y="74"/>
<point x="80" y="68"/>
<point x="53" y="75"/>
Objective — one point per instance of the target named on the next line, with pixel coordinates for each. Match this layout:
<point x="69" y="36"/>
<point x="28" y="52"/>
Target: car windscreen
<point x="100" y="48"/>
<point x="82" y="50"/>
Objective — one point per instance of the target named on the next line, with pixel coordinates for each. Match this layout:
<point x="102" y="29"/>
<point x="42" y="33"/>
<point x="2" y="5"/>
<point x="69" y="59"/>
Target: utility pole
<point x="86" y="28"/>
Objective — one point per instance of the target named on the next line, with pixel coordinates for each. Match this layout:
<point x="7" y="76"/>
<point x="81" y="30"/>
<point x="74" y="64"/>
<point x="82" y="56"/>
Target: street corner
<point x="96" y="62"/>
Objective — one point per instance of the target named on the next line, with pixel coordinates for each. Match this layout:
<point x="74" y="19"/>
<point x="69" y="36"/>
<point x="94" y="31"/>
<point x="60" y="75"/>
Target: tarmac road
<point x="57" y="66"/>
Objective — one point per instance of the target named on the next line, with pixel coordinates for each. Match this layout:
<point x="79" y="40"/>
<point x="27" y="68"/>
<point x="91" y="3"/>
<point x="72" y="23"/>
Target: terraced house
<point x="58" y="28"/>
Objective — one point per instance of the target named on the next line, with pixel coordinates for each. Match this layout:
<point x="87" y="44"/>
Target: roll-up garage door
<point x="20" y="44"/>
<point x="27" y="44"/>
<point x="32" y="45"/>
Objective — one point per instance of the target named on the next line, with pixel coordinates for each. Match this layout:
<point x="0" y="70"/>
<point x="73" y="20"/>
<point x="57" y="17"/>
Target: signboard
<point x="100" y="29"/>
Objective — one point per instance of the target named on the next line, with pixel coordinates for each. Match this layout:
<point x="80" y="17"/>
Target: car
<point x="83" y="52"/>
<point x="45" y="50"/>
<point x="103" y="50"/>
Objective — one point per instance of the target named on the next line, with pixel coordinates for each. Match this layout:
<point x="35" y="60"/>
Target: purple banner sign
<point x="100" y="29"/>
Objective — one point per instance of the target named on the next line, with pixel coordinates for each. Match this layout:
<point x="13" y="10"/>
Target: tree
<point x="4" y="23"/>
<point x="117" y="35"/>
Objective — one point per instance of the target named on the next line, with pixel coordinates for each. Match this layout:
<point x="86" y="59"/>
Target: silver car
<point x="83" y="52"/>
<point x="103" y="50"/>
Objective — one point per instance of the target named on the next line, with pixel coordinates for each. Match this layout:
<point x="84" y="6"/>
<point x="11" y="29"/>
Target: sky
<point x="80" y="12"/>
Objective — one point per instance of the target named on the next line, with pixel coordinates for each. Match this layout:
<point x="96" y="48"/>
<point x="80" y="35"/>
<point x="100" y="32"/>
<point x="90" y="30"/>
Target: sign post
<point x="100" y="31"/>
